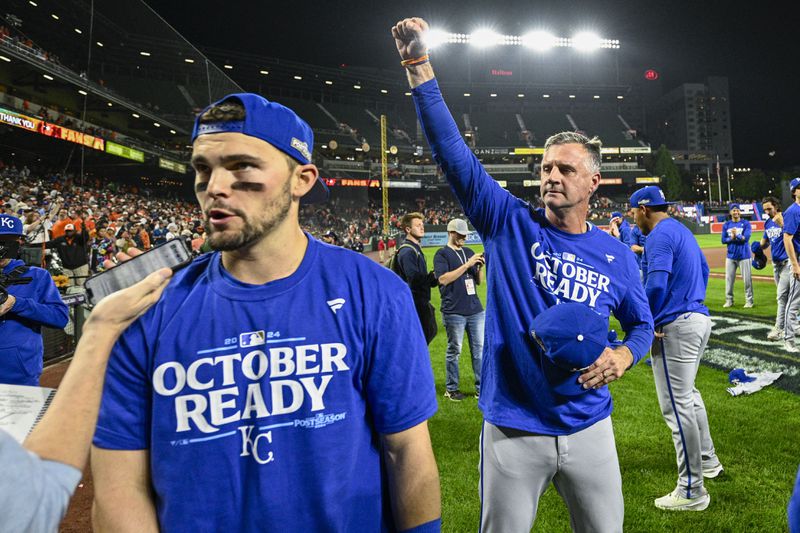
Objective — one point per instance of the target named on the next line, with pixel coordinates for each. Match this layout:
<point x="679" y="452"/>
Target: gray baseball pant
<point x="783" y="274"/>
<point x="676" y="358"/>
<point x="516" y="467"/>
<point x="792" y="306"/>
<point x="730" y="278"/>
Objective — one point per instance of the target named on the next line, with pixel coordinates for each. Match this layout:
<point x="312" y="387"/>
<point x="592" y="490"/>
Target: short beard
<point x="276" y="212"/>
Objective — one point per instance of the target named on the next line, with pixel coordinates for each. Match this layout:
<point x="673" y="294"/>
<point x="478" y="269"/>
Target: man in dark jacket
<point x="28" y="300"/>
<point x="414" y="270"/>
<point x="71" y="249"/>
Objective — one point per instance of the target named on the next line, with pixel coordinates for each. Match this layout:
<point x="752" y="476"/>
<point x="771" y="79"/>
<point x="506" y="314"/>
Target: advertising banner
<point x="124" y="151"/>
<point x="174" y="166"/>
<point x="439" y="238"/>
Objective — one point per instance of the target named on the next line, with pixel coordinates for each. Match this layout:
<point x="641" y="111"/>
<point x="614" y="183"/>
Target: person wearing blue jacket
<point x="28" y="300"/>
<point x="535" y="432"/>
<point x="736" y="234"/>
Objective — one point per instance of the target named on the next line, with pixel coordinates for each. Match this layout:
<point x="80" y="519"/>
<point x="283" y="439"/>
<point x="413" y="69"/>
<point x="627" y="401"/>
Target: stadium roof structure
<point x="123" y="51"/>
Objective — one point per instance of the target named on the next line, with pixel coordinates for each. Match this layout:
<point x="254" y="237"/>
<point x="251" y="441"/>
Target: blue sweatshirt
<point x="673" y="251"/>
<point x="737" y="235"/>
<point x="533" y="267"/>
<point x="38" y="304"/>
<point x="773" y="233"/>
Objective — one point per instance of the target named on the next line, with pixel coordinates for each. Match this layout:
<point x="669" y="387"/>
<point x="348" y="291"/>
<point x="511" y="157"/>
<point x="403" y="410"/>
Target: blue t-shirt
<point x="262" y="405"/>
<point x="774" y="234"/>
<point x="672" y="248"/>
<point x="456" y="299"/>
<point x="737" y="235"/>
<point x="636" y="237"/>
<point x="624" y="231"/>
<point x="791" y="225"/>
<point x="533" y="266"/>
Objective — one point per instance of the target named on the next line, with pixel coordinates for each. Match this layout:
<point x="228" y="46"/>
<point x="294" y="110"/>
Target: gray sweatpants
<point x="783" y="274"/>
<point x="730" y="277"/>
<point x="516" y="467"/>
<point x="676" y="358"/>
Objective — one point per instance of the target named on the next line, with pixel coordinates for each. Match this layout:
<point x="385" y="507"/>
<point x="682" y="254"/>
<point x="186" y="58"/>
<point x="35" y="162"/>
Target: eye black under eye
<point x="247" y="186"/>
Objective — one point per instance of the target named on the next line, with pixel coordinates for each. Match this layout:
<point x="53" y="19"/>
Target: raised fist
<point x="408" y="36"/>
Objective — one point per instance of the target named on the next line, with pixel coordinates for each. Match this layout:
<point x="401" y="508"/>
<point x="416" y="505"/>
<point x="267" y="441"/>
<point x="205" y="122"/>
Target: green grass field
<point x="755" y="437"/>
<point x="710" y="241"/>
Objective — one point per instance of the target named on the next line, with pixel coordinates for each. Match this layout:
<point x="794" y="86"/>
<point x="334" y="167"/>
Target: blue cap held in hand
<point x="571" y="337"/>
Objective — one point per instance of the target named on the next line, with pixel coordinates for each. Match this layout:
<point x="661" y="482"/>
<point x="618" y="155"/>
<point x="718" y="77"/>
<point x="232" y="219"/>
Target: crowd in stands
<point x="117" y="216"/>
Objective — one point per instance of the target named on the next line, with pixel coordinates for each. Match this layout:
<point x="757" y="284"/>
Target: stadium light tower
<point x="484" y="38"/>
<point x="435" y="38"/>
<point x="539" y="40"/>
<point x="586" y="42"/>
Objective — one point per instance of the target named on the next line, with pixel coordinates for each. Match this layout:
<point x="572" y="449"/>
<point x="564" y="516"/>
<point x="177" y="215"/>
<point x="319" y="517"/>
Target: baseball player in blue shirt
<point x="270" y="389"/>
<point x="534" y="432"/>
<point x="736" y="234"/>
<point x="773" y="239"/>
<point x="791" y="242"/>
<point x="676" y="282"/>
<point x="636" y="241"/>
<point x="620" y="227"/>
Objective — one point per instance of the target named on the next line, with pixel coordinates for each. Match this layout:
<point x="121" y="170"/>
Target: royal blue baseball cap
<point x="616" y="214"/>
<point x="734" y="206"/>
<point x="740" y="376"/>
<point x="10" y="225"/>
<point x="271" y="122"/>
<point x="571" y="337"/>
<point x="795" y="183"/>
<point x="648" y="196"/>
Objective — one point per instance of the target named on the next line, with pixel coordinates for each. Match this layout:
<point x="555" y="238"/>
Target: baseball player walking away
<point x="736" y="234"/>
<point x="534" y="434"/>
<point x="791" y="241"/>
<point x="676" y="282"/>
<point x="782" y="270"/>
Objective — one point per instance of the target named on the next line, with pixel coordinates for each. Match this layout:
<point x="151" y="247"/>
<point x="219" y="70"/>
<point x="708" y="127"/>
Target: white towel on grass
<point x="762" y="379"/>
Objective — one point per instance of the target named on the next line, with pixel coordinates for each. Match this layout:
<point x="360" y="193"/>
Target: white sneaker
<point x="727" y="304"/>
<point x="748" y="305"/>
<point x="713" y="472"/>
<point x="790" y="347"/>
<point x="775" y="334"/>
<point x="675" y="502"/>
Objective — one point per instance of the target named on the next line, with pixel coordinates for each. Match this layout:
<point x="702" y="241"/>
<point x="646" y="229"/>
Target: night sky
<point x="755" y="46"/>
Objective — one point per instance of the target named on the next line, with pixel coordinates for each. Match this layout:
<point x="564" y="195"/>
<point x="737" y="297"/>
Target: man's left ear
<point x="595" y="182"/>
<point x="306" y="177"/>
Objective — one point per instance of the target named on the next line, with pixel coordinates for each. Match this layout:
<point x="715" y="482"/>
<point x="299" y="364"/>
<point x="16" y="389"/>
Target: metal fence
<point x="60" y="343"/>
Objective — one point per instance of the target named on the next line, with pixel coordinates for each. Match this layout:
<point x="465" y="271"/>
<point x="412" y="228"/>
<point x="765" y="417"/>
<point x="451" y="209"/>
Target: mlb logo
<point x="252" y="338"/>
<point x="568" y="256"/>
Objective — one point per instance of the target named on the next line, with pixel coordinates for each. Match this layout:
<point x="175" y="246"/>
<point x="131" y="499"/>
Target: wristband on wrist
<point x="415" y="61"/>
<point x="434" y="526"/>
